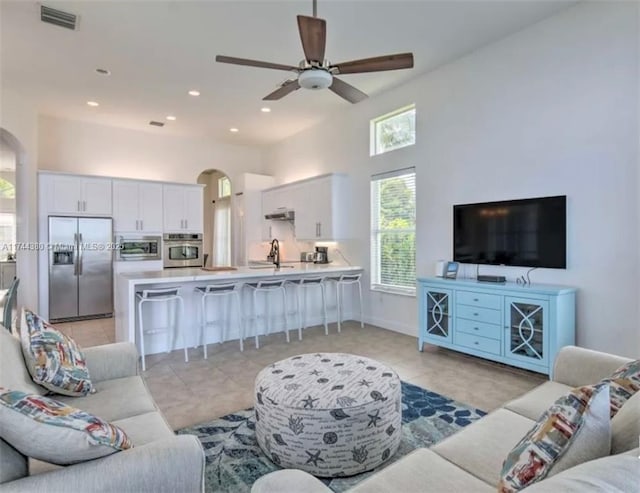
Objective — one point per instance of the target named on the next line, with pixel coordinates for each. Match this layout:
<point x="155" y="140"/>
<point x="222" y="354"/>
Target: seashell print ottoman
<point x="329" y="414"/>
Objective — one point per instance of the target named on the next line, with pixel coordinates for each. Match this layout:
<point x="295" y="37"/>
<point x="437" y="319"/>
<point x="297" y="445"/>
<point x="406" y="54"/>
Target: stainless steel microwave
<point x="182" y="250"/>
<point x="139" y="248"/>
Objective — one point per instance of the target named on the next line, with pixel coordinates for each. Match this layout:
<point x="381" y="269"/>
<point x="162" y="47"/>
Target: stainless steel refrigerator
<point x="80" y="268"/>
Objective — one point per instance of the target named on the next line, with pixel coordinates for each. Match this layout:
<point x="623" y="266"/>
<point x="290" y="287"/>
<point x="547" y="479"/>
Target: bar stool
<point x="341" y="282"/>
<point x="222" y="292"/>
<point x="302" y="286"/>
<point x="171" y="299"/>
<point x="268" y="288"/>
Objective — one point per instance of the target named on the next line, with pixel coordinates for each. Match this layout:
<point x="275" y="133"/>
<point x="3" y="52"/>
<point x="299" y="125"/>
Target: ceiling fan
<point x="314" y="72"/>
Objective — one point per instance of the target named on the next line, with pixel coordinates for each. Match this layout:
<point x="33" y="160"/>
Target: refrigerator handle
<point x="75" y="254"/>
<point x="79" y="263"/>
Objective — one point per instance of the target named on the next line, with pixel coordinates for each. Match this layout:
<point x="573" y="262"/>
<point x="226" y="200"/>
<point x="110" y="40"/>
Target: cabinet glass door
<point x="438" y="314"/>
<point x="527" y="322"/>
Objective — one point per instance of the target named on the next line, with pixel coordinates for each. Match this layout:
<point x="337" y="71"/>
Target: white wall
<point x="551" y="110"/>
<point x="80" y="147"/>
<point x="18" y="127"/>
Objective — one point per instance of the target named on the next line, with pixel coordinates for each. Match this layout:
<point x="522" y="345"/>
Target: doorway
<point x="217" y="217"/>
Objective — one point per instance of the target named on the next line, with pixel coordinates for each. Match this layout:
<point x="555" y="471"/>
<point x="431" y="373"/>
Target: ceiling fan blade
<point x="286" y="88"/>
<point x="254" y="63"/>
<point x="376" y="64"/>
<point x="347" y="91"/>
<point x="313" y="34"/>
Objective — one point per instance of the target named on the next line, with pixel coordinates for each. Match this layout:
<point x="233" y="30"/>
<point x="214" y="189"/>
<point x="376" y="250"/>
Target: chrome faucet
<point x="274" y="254"/>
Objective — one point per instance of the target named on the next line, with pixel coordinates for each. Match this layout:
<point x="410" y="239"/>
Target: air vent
<point x="156" y="124"/>
<point x="58" y="17"/>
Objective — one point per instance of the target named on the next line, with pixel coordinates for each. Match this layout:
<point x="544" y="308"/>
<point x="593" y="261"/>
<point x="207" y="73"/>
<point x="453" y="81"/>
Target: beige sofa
<point x="159" y="462"/>
<point x="471" y="460"/>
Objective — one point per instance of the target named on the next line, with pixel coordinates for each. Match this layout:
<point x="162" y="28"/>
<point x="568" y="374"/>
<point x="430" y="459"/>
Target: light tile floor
<point x="201" y="390"/>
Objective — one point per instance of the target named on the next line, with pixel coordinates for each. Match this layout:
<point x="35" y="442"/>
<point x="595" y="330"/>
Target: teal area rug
<point x="234" y="460"/>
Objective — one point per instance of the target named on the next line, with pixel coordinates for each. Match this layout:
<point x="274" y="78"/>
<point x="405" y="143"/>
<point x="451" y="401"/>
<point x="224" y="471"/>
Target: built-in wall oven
<point x="139" y="247"/>
<point x="182" y="250"/>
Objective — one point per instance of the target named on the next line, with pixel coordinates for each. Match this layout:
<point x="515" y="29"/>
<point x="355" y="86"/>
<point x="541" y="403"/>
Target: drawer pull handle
<point x="476" y="328"/>
<point x="475" y="314"/>
<point x="475" y="299"/>
<point x="476" y="343"/>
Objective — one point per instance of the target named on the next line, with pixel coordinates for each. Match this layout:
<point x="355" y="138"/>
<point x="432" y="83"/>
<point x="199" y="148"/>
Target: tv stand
<point x="515" y="324"/>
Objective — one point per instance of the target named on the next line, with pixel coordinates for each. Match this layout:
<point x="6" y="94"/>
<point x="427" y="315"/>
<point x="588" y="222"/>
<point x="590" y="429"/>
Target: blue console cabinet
<point x="515" y="324"/>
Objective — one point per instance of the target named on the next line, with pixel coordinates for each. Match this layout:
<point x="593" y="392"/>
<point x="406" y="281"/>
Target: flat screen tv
<point x="526" y="233"/>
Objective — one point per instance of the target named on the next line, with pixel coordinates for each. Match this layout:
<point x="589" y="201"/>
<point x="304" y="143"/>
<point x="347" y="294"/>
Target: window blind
<point x="393" y="231"/>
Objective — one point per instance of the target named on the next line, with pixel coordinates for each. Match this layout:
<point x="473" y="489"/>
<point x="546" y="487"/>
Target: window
<point x="393" y="232"/>
<point x="224" y="187"/>
<point x="394" y="130"/>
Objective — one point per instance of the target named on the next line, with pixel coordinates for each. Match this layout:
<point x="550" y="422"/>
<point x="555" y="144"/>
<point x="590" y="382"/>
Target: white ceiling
<point x="157" y="51"/>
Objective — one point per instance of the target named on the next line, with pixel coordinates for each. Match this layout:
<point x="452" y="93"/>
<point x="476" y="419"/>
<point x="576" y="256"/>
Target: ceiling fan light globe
<point x="315" y="79"/>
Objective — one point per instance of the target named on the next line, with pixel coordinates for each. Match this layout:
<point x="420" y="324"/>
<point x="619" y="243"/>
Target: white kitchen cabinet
<point x="273" y="200"/>
<point x="78" y="195"/>
<point x="183" y="208"/>
<point x="137" y="206"/>
<point x="322" y="208"/>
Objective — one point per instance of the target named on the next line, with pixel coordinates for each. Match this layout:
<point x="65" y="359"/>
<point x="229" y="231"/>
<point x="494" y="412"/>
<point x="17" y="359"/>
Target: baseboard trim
<point x="393" y="326"/>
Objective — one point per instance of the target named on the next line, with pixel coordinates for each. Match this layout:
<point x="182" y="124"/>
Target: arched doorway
<point x="217" y="217"/>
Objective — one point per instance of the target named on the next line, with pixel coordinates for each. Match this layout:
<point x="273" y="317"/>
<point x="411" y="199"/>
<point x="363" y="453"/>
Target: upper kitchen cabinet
<point x="275" y="200"/>
<point x="322" y="208"/>
<point x="137" y="206"/>
<point x="183" y="208"/>
<point x="78" y="195"/>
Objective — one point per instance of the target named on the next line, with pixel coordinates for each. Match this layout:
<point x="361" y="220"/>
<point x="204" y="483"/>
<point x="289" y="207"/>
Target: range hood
<point x="281" y="215"/>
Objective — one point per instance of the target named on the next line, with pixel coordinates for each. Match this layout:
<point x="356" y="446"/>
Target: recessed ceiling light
<point x="93" y="103"/>
<point x="103" y="71"/>
<point x="233" y="129"/>
<point x="193" y="92"/>
<point x="265" y="110"/>
<point x="171" y="118"/>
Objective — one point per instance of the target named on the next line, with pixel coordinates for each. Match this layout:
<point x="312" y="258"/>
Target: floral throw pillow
<point x="624" y="382"/>
<point x="49" y="430"/>
<point x="53" y="359"/>
<point x="575" y="429"/>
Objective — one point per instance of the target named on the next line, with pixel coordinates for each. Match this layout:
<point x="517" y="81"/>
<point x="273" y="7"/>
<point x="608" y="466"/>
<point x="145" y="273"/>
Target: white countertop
<point x="262" y="271"/>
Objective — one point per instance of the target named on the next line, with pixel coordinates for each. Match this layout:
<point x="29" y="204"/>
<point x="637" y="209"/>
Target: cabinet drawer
<point x="480" y="299"/>
<point x="481" y="329"/>
<point x="476" y="342"/>
<point x="486" y="315"/>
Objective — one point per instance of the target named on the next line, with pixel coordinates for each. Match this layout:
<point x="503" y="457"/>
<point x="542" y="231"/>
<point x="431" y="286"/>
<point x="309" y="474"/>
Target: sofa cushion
<point x="481" y="447"/>
<point x="13" y="371"/>
<point x="625" y="426"/>
<point x="54" y="360"/>
<point x="575" y="429"/>
<point x="49" y="430"/>
<point x="115" y="399"/>
<point x="13" y="465"/>
<point x="145" y="428"/>
<point x="613" y="474"/>
<point x="535" y="402"/>
<point x="422" y="470"/>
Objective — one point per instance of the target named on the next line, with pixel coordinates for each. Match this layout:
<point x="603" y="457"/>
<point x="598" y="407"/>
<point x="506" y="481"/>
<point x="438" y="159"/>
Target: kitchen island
<point x="128" y="283"/>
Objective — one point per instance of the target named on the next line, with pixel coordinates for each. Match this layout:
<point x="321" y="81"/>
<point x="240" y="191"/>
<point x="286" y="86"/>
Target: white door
<point x="125" y="206"/>
<point x="150" y="207"/>
<point x="96" y="196"/>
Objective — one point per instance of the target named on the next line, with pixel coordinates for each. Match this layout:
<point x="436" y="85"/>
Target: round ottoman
<point x="329" y="414"/>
